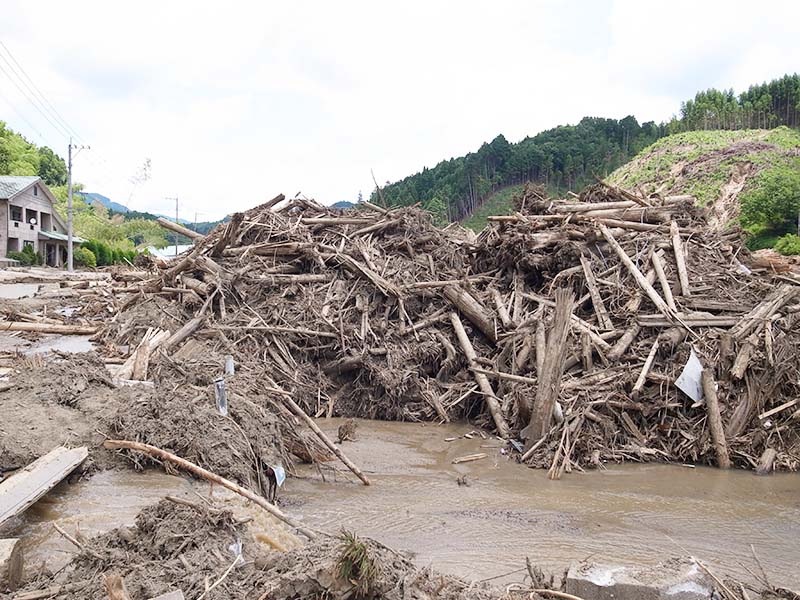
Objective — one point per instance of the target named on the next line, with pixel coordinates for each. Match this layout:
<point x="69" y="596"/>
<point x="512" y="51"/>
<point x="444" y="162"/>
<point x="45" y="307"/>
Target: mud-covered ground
<point x="199" y="549"/>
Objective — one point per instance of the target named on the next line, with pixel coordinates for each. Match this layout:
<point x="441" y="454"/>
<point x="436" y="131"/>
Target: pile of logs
<point x="566" y="327"/>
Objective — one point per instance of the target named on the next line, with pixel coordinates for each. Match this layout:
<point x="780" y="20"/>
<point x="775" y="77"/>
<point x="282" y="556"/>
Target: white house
<point x="28" y="218"/>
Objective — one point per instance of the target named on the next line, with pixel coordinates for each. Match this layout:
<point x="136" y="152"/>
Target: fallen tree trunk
<point x="483" y="383"/>
<point x="47" y="328"/>
<point x="208" y="475"/>
<point x="715" y="420"/>
<point x="179" y="229"/>
<point x="549" y="380"/>
<point x="472" y="309"/>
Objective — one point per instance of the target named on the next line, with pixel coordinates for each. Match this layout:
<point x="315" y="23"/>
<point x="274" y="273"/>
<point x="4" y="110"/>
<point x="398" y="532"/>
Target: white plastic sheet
<point x="690" y="379"/>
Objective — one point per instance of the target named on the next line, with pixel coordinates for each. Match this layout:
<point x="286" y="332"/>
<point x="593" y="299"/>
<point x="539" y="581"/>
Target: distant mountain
<point x="342" y="204"/>
<point x="95" y="198"/>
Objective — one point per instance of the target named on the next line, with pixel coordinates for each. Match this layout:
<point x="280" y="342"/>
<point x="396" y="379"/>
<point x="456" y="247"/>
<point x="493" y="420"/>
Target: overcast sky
<point x="234" y="102"/>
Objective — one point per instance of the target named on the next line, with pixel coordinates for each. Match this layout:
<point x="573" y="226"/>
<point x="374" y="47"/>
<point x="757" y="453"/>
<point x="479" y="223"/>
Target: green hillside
<point x="751" y="175"/>
<point x="568" y="157"/>
<point x="499" y="203"/>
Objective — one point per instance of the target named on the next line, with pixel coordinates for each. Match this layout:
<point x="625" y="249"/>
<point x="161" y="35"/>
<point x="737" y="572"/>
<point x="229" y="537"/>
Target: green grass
<point x="499" y="203"/>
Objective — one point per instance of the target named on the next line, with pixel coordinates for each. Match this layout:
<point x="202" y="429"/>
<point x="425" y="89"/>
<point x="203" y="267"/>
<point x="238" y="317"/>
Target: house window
<point x="16" y="213"/>
<point x="27" y="244"/>
<point x="31" y="216"/>
<point x="36" y="190"/>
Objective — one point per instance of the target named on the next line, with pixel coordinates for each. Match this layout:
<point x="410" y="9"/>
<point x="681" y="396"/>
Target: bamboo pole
<point x="213" y="477"/>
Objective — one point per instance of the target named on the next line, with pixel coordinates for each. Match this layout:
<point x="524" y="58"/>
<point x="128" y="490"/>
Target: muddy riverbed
<point x="632" y="514"/>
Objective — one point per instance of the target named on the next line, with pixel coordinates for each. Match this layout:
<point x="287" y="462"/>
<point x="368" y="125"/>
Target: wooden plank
<point x="23" y="489"/>
<point x="174" y="595"/>
<point x="10" y="564"/>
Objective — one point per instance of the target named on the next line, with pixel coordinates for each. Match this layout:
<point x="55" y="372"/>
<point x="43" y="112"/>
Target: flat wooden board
<point x="176" y="595"/>
<point x="22" y="489"/>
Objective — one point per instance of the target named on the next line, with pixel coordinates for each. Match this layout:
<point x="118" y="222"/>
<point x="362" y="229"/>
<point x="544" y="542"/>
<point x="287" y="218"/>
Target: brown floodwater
<point x="634" y="514"/>
<point x="637" y="514"/>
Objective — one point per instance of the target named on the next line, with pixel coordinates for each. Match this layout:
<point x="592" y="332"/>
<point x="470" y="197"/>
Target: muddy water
<point x="633" y="514"/>
<point x="109" y="499"/>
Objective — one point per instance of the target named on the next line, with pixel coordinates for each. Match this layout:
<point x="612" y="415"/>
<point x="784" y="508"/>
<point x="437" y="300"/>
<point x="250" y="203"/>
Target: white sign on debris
<point x="690" y="379"/>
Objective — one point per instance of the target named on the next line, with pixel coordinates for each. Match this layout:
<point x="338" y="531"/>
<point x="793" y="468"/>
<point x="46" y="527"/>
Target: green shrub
<point x="774" y="201"/>
<point x="788" y="245"/>
<point x="23" y="257"/>
<point x="84" y="257"/>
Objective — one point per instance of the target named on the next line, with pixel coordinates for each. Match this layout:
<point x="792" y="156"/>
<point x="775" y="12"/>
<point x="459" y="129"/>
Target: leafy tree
<point x="774" y="199"/>
<point x="52" y="168"/>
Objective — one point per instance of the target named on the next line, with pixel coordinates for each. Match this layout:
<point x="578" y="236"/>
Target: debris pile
<point x="569" y="323"/>
<point x="206" y="552"/>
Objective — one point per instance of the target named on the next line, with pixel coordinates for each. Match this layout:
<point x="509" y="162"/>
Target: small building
<point x="28" y="218"/>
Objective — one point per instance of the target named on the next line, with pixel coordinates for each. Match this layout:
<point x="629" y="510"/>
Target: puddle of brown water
<point x="109" y="499"/>
<point x="637" y="514"/>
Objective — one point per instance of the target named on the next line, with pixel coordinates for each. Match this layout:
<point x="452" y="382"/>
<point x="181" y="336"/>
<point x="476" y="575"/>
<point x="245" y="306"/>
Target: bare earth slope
<point x="714" y="166"/>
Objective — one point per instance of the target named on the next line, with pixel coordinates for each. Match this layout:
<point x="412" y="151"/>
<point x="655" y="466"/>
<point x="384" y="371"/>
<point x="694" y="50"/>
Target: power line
<point x="22" y="116"/>
<point x="59" y="129"/>
<point x="36" y="91"/>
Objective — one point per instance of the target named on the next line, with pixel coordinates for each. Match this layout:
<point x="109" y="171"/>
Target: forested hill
<point x="570" y="156"/>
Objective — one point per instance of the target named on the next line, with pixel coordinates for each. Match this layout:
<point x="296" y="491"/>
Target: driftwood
<point x="549" y="382"/>
<point x="179" y="229"/>
<point x="715" y="420"/>
<point x="488" y="393"/>
<point x="208" y="475"/>
<point x="47" y="328"/>
<point x="299" y="412"/>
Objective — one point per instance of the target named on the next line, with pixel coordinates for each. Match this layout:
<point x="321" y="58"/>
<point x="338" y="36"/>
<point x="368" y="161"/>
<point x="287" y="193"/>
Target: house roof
<point x="11" y="185"/>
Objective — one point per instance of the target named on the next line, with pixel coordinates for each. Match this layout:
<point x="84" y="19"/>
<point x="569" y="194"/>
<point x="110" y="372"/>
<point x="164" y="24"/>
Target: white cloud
<point x="238" y="101"/>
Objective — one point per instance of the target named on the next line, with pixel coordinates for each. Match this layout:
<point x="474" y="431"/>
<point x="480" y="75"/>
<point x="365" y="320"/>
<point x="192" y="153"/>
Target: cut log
<point x="269" y="204"/>
<point x="179" y="229"/>
<point x="24" y="488"/>
<point x="549" y="380"/>
<point x="597" y="300"/>
<point x="715" y="420"/>
<point x="658" y="267"/>
<point x="680" y="258"/>
<point x="184" y="332"/>
<point x="208" y="475"/>
<point x="656" y="299"/>
<point x="639" y="385"/>
<point x="623" y="343"/>
<point x="11" y="564"/>
<point x="47" y="328"/>
<point x="492" y="402"/>
<point x="767" y="462"/>
<point x="472" y="309"/>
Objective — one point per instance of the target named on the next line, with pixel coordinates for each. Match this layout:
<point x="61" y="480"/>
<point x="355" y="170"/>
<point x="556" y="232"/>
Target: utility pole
<point x="176" y="221"/>
<point x="69" y="206"/>
<point x="70" y="266"/>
